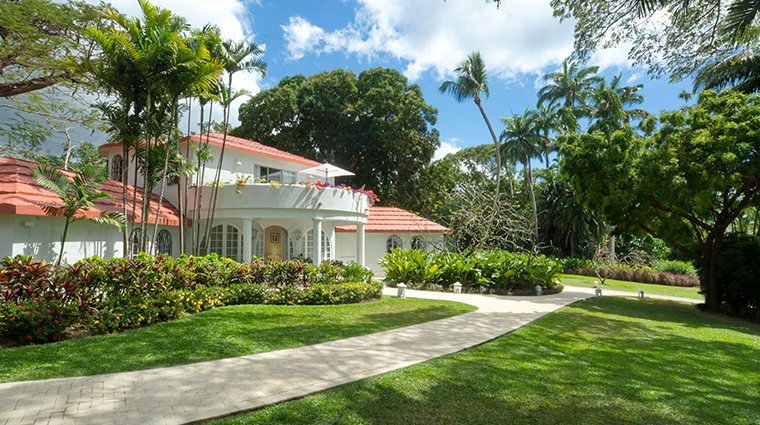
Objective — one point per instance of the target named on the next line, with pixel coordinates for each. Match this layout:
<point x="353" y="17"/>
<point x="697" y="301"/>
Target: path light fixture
<point x="401" y="290"/>
<point x="641" y="293"/>
<point x="598" y="292"/>
<point x="457" y="288"/>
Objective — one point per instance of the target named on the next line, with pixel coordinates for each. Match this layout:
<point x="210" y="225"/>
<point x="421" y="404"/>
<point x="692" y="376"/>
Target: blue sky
<point x="424" y="40"/>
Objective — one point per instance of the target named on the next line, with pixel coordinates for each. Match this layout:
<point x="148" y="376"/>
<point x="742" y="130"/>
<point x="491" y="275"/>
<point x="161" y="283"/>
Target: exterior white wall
<point x="374" y="249"/>
<point x="40" y="236"/>
<point x="230" y="170"/>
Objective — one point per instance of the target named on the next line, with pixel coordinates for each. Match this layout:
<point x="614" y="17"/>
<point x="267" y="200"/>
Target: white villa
<point x="276" y="220"/>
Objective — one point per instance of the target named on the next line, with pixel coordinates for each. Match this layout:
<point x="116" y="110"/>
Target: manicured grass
<point x="217" y="334"/>
<point x="611" y="360"/>
<point x="674" y="291"/>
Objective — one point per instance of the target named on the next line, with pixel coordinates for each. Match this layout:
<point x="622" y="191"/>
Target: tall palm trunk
<point x="165" y="172"/>
<point x="496" y="145"/>
<point x="529" y="182"/>
<point x="125" y="192"/>
<point x="147" y="190"/>
<point x="217" y="178"/>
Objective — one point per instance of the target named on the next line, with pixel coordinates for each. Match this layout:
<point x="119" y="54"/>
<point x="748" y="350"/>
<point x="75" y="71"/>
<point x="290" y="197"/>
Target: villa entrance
<point x="274" y="241"/>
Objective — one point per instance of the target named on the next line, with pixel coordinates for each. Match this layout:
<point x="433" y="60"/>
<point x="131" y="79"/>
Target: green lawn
<point x="674" y="291"/>
<point x="217" y="334"/>
<point x="609" y="360"/>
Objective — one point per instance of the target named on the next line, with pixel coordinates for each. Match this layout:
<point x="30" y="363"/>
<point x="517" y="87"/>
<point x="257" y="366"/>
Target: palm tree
<point x="570" y="85"/>
<point x="563" y="214"/>
<point x="740" y="71"/>
<point x="78" y="195"/>
<point x="546" y="120"/>
<point x="522" y="142"/>
<point x="472" y="80"/>
<point x="237" y="57"/>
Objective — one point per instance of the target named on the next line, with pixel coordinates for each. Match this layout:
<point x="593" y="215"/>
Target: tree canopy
<point x="668" y="36"/>
<point x="375" y="124"/>
<point x="685" y="184"/>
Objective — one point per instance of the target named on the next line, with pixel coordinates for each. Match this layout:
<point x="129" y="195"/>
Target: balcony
<point x="286" y="201"/>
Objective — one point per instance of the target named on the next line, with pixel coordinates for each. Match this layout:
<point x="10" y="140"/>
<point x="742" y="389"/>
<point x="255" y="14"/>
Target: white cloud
<point x="446" y="148"/>
<point x="301" y="36"/>
<point x="434" y="36"/>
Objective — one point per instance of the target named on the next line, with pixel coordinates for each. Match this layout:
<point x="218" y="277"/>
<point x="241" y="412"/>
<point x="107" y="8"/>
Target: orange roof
<point x="21" y="194"/>
<point x="242" y="145"/>
<point x="395" y="220"/>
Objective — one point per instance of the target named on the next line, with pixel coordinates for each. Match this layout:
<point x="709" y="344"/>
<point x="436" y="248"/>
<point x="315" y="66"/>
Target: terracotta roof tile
<point x="395" y="220"/>
<point x="243" y="145"/>
<point x="21" y="194"/>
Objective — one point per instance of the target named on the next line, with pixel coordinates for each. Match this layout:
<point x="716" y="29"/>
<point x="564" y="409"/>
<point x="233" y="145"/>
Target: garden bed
<point x="38" y="303"/>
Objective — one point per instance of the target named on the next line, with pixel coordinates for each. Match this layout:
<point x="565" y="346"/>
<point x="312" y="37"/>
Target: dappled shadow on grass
<point x="581" y="365"/>
<point x="216" y="334"/>
<point x="683" y="314"/>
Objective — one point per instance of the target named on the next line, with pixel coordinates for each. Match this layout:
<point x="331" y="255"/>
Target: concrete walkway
<point x="195" y="392"/>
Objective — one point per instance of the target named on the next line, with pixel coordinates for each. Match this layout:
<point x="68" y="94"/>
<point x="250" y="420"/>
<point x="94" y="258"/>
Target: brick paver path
<point x="185" y="394"/>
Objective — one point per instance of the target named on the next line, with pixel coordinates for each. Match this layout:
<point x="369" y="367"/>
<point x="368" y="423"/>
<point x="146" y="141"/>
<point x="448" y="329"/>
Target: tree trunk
<point x="125" y="192"/>
<point x="215" y="189"/>
<point x="529" y="182"/>
<point x="573" y="243"/>
<point x="147" y="190"/>
<point x="496" y="145"/>
<point x="63" y="241"/>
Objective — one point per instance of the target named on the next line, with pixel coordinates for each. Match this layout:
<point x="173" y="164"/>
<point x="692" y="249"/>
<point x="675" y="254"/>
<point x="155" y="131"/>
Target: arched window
<point x="295" y="247"/>
<point x="257" y="243"/>
<point x="418" y="243"/>
<point x="393" y="241"/>
<point x="117" y="168"/>
<point x="164" y="242"/>
<point x="224" y="240"/>
<point x="326" y="248"/>
<point x="134" y="242"/>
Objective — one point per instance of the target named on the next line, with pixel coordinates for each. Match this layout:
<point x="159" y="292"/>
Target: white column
<point x="247" y="251"/>
<point x="316" y="255"/>
<point x="360" y="244"/>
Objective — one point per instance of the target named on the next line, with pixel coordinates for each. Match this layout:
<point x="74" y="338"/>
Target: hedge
<point x="38" y="303"/>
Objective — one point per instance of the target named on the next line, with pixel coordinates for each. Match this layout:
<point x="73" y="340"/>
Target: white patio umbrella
<point x="328" y="170"/>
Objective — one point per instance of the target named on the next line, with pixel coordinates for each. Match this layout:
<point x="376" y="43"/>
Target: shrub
<point x="488" y="270"/>
<point x="675" y="267"/>
<point x="738" y="274"/>
<point x="37" y="320"/>
<point x="23" y="278"/>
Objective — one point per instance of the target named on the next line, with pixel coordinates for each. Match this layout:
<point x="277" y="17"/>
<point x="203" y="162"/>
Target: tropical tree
<point x="740" y="71"/>
<point x="375" y="124"/>
<point x="78" y="195"/>
<point x="685" y="184"/>
<point x="546" y="119"/>
<point x="672" y="37"/>
<point x="570" y="86"/>
<point x="562" y="216"/>
<point x="522" y="142"/>
<point x="472" y="80"/>
<point x="237" y="57"/>
<point x="149" y="63"/>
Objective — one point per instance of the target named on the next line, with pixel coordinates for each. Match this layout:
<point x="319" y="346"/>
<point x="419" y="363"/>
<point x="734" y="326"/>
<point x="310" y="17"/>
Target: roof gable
<point x="21" y="194"/>
<point x="395" y="220"/>
<point x="240" y="145"/>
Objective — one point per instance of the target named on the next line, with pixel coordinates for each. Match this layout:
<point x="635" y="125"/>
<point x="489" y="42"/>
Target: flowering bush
<point x="118" y="294"/>
<point x="319" y="185"/>
<point x="36" y="320"/>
